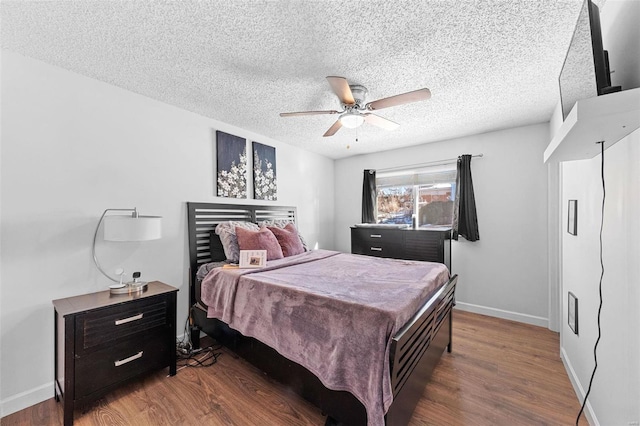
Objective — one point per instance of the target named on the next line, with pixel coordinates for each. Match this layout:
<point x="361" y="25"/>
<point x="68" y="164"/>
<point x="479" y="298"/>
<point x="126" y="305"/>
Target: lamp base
<point x="129" y="288"/>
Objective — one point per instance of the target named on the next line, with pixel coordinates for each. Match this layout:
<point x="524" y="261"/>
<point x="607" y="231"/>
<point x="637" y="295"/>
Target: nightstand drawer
<point x="121" y="361"/>
<point x="100" y="328"/>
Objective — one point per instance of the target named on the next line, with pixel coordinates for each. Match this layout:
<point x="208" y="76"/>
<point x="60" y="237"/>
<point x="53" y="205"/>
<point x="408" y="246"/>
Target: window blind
<point x="425" y="176"/>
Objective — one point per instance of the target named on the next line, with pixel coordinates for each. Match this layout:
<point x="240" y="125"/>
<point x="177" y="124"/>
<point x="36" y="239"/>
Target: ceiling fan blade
<point x="405" y="98"/>
<point x="294" y="114"/>
<point x="341" y="88"/>
<point x="376" y="120"/>
<point x="333" y="129"/>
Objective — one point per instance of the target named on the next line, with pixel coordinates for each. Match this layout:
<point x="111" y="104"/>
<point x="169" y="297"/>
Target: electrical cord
<point x="188" y="356"/>
<point x="186" y="337"/>
<point x="205" y="357"/>
<point x="595" y="347"/>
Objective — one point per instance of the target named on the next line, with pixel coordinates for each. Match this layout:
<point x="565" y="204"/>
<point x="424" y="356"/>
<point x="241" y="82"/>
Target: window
<point x="426" y="195"/>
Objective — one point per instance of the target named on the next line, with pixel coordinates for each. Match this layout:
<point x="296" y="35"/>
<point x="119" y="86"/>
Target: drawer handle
<point x="126" y="320"/>
<point x="375" y="236"/>
<point x="376" y="248"/>
<point x="131" y="358"/>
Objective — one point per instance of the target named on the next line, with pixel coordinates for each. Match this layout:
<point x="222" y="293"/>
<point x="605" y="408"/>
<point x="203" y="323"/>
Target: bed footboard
<point x="416" y="350"/>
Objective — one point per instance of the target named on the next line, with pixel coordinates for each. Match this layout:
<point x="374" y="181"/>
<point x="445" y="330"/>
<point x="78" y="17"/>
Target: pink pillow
<point x="289" y="239"/>
<point x="259" y="240"/>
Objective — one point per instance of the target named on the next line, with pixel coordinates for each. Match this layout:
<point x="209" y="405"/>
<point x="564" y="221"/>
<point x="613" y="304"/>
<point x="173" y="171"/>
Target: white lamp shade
<point x="351" y="120"/>
<point x="127" y="228"/>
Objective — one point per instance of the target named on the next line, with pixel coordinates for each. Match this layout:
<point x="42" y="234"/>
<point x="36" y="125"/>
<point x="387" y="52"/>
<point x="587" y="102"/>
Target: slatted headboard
<point x="202" y="218"/>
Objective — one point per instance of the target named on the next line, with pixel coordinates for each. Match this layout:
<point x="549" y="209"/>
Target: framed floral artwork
<point x="265" y="185"/>
<point x="231" y="155"/>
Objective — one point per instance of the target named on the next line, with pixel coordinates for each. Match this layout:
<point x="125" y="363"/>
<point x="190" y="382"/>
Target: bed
<point x="413" y="351"/>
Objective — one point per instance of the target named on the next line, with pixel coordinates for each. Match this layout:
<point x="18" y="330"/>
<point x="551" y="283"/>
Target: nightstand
<point x="103" y="340"/>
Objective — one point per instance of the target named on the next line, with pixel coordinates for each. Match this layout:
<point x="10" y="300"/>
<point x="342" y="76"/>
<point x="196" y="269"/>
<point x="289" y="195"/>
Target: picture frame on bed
<point x="253" y="258"/>
<point x="572" y="217"/>
<point x="231" y="156"/>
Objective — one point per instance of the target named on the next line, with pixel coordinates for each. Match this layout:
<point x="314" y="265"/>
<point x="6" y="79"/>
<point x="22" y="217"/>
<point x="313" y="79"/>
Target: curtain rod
<point x="429" y="163"/>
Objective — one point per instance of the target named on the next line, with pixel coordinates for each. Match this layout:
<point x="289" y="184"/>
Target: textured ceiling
<point x="490" y="64"/>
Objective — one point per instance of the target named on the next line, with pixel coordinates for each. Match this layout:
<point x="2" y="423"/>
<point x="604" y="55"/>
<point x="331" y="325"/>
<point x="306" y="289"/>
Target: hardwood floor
<point x="500" y="373"/>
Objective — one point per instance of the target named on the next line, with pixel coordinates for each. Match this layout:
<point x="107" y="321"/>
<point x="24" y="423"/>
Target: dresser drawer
<point x="377" y="235"/>
<point x="101" y="328"/>
<point x="376" y="242"/>
<point x="381" y="250"/>
<point x="121" y="361"/>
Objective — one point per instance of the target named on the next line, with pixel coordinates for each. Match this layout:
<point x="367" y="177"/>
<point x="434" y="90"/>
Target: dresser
<point x="103" y="340"/>
<point x="433" y="245"/>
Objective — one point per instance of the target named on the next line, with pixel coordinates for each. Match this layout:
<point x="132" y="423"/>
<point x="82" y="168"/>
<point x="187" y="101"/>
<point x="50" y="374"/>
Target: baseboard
<point x="499" y="313"/>
<point x="26" y="399"/>
<point x="577" y="387"/>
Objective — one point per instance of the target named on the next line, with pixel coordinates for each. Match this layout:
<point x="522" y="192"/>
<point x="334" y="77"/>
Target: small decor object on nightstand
<point x="115" y="287"/>
<point x="134" y="286"/>
<point x="572" y="312"/>
<point x="572" y="217"/>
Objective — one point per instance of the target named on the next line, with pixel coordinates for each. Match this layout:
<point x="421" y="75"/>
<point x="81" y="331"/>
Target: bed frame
<point x="415" y="349"/>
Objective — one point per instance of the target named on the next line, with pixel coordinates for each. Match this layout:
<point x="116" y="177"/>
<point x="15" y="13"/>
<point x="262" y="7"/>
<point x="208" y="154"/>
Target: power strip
<point x="185" y="349"/>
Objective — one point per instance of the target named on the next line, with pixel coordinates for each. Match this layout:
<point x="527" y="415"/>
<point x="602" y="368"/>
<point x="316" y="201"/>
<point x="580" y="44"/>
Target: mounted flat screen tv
<point x="585" y="72"/>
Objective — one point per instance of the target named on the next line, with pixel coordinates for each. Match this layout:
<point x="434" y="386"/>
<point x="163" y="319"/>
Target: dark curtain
<point x="465" y="219"/>
<point x="369" y="197"/>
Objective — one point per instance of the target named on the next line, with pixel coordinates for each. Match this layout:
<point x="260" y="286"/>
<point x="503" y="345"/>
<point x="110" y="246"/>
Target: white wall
<point x="620" y="36"/>
<point x="72" y="147"/>
<point x="616" y="387"/>
<point x="505" y="273"/>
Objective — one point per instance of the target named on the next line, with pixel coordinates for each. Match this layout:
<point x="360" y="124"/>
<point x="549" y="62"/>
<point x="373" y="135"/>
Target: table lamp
<point x="130" y="227"/>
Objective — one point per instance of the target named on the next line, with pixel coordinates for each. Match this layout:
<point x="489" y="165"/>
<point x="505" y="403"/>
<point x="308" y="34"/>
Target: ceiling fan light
<point x="351" y="120"/>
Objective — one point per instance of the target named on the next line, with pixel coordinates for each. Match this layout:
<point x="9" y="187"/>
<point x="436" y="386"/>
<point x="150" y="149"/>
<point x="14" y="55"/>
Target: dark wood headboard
<point x="202" y="218"/>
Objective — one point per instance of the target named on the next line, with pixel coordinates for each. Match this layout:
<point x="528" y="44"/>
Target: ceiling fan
<point x="355" y="112"/>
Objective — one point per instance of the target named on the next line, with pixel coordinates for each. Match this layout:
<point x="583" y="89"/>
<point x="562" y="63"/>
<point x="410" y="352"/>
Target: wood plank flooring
<point x="500" y="373"/>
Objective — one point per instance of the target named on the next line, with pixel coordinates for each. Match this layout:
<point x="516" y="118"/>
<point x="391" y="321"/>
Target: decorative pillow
<point x="281" y="224"/>
<point x="262" y="239"/>
<point x="288" y="239"/>
<point x="227" y="233"/>
<point x="205" y="268"/>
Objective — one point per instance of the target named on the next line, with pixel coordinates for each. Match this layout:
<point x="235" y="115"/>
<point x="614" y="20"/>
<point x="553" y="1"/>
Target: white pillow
<point x="227" y="233"/>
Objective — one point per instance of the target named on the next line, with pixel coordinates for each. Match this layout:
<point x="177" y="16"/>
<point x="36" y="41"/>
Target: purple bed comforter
<point x="333" y="313"/>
